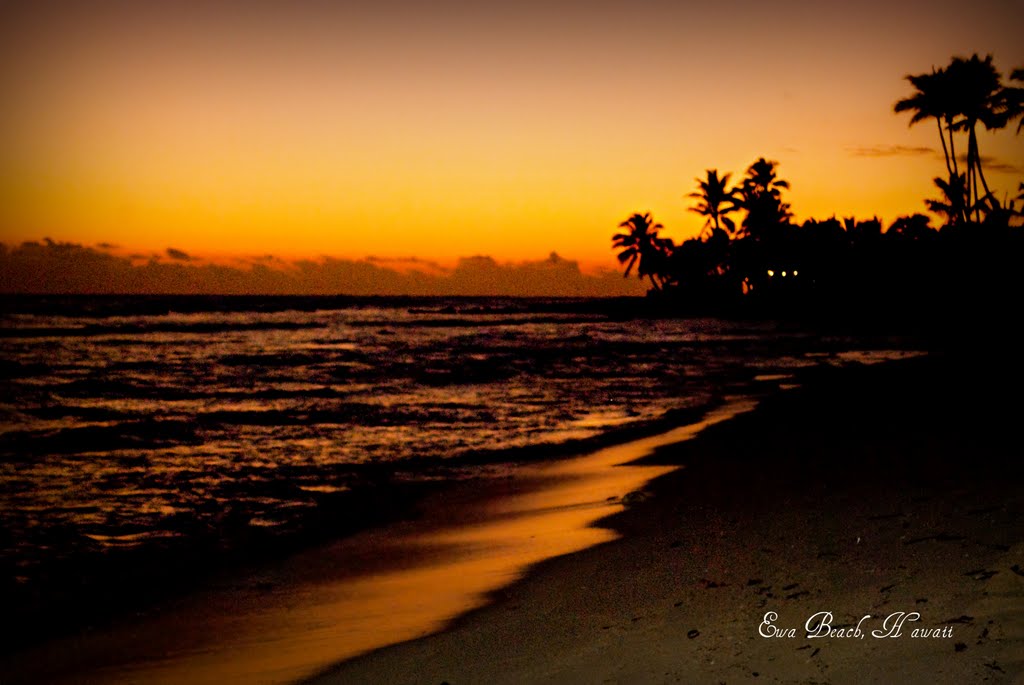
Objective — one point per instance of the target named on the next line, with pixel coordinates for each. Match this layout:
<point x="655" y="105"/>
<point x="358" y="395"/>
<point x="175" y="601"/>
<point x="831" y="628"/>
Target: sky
<point x="446" y="130"/>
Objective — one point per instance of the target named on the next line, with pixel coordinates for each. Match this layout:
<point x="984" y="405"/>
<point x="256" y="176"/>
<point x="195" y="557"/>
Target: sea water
<point x="140" y="423"/>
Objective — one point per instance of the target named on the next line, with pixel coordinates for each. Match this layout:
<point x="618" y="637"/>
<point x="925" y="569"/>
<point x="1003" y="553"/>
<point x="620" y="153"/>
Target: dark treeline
<point x="751" y="256"/>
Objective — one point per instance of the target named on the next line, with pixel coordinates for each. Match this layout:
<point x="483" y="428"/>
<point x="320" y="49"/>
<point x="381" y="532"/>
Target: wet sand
<point x="886" y="492"/>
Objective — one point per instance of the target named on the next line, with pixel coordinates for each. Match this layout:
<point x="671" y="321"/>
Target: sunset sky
<point x="450" y="129"/>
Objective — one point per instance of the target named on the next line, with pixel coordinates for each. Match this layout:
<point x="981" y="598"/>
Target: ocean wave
<point x="197" y="328"/>
<point x="129" y="435"/>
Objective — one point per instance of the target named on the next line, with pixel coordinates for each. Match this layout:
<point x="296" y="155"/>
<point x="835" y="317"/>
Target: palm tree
<point x="715" y="201"/>
<point x="953" y="206"/>
<point x="933" y="98"/>
<point x="976" y="85"/>
<point x="1013" y="99"/>
<point x="760" y="195"/>
<point x="961" y="95"/>
<point x="643" y="248"/>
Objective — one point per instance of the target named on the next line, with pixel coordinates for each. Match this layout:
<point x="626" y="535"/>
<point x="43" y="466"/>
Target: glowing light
<point x="783" y="274"/>
<point x="770" y="273"/>
<point x="795" y="272"/>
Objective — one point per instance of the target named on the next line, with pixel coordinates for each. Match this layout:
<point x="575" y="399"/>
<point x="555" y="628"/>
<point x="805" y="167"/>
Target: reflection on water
<point x="148" y="428"/>
<point x="379" y="587"/>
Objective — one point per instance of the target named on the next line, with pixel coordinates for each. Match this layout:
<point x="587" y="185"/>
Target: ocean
<point x="138" y="425"/>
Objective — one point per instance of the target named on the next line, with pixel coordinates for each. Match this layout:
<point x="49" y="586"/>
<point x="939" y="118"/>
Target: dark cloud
<point x="989" y="163"/>
<point x="890" y="151"/>
<point x="484" y="276"/>
<point x="992" y="164"/>
<point x="178" y="255"/>
<point x="263" y="259"/>
<point x="406" y="263"/>
<point x="52" y="267"/>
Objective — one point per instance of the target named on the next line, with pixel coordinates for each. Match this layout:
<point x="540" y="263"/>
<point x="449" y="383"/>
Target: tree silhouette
<point x="770" y="264"/>
<point x="960" y="96"/>
<point x="760" y="194"/>
<point x="1013" y="99"/>
<point x="979" y="97"/>
<point x="914" y="227"/>
<point x="862" y="231"/>
<point x="933" y="98"/>
<point x="715" y="201"/>
<point x="954" y="204"/>
<point x="641" y="247"/>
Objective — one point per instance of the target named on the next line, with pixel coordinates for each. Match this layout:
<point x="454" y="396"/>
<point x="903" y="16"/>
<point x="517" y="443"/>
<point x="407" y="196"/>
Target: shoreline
<point x="297" y="615"/>
<point x="815" y="502"/>
<point x="182" y="568"/>
<point x="639" y="571"/>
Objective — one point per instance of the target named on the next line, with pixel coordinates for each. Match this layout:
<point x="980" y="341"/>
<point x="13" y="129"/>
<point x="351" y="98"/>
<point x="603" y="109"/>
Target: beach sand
<point x="881" y="491"/>
<point x="868" y="492"/>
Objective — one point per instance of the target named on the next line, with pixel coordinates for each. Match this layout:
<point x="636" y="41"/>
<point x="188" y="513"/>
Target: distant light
<point x="770" y="273"/>
<point x="795" y="272"/>
<point x="783" y="274"/>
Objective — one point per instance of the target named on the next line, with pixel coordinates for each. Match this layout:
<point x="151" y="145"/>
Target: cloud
<point x="1005" y="167"/>
<point x="52" y="267"/>
<point x="482" y="275"/>
<point x="178" y="255"/>
<point x="407" y="264"/>
<point x="992" y="164"/>
<point x="890" y="151"/>
<point x="989" y="163"/>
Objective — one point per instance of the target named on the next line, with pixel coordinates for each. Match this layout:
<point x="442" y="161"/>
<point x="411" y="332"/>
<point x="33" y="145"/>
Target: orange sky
<point x="304" y="129"/>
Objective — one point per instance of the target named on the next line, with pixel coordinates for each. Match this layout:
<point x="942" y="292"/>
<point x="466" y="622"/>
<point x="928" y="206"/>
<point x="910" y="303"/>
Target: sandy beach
<point x="863" y="527"/>
<point x="891" y="493"/>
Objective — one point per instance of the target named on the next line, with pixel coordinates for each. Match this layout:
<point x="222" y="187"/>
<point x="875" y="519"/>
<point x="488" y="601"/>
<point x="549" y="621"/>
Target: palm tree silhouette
<point x="953" y="206"/>
<point x="961" y="95"/>
<point x="979" y="95"/>
<point x="715" y="201"/>
<point x="933" y="98"/>
<point x="643" y="248"/>
<point x="1013" y="99"/>
<point x="760" y="195"/>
